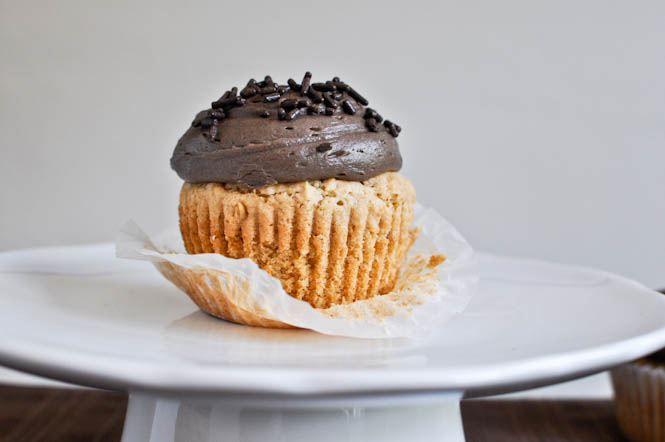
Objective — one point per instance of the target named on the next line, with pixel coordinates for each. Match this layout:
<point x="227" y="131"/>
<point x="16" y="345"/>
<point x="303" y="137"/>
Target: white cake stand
<point x="78" y="314"/>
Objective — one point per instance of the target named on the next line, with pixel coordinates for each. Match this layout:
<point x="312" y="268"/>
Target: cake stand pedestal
<point x="421" y="418"/>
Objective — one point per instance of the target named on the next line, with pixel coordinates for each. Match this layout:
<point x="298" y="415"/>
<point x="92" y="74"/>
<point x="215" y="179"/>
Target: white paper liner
<point x="417" y="306"/>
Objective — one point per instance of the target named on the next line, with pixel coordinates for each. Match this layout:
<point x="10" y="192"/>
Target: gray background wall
<point x="538" y="128"/>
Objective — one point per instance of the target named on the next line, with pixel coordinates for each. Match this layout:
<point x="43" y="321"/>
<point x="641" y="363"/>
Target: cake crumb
<point x="435" y="260"/>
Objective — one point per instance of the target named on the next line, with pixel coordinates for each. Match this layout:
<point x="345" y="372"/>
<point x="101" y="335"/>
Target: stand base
<point x="422" y="418"/>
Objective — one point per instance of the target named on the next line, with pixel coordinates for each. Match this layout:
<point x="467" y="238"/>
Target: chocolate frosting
<point x="254" y="145"/>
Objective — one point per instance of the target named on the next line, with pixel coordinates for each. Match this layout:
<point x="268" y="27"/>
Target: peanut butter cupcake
<point x="302" y="179"/>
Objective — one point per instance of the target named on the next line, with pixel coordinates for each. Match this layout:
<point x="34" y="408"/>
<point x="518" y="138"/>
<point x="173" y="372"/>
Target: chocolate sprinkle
<point x="295" y="113"/>
<point x="304" y="88"/>
<point x="272" y="97"/>
<point x="315" y="95"/>
<point x="348" y="107"/>
<point x="324" y="87"/>
<point x="211" y="114"/>
<point x="317" y="109"/>
<point x="264" y="114"/>
<point x="229" y="101"/>
<point x="289" y="104"/>
<point x="267" y="90"/>
<point x="304" y="102"/>
<point x="356" y="96"/>
<point x="216" y="114"/>
<point x="328" y="100"/>
<point x="248" y="90"/>
<point x="330" y="110"/>
<point x="293" y="85"/>
<point x="214" y="130"/>
<point x="372" y="124"/>
<point x="392" y="128"/>
<point x="371" y="113"/>
<point x="281" y="113"/>
<point x="229" y="94"/>
<point x="341" y="86"/>
<point x="223" y="102"/>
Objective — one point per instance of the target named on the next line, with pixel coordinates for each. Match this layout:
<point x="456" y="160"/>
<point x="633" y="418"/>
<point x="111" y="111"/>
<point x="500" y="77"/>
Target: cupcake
<point x="302" y="179"/>
<point x="639" y="389"/>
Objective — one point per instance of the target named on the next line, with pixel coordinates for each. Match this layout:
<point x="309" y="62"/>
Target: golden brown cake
<point x="302" y="179"/>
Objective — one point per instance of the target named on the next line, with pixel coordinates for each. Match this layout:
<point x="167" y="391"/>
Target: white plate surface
<point x="80" y="315"/>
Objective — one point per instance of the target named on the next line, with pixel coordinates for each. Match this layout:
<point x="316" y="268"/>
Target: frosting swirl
<point x="272" y="137"/>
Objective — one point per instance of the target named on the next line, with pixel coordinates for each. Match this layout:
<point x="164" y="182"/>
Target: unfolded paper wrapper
<point x="428" y="292"/>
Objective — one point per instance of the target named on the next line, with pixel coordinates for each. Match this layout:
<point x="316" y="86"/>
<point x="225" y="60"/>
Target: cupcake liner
<point x="329" y="242"/>
<point x="428" y="291"/>
<point x="639" y="389"/>
<point x="217" y="293"/>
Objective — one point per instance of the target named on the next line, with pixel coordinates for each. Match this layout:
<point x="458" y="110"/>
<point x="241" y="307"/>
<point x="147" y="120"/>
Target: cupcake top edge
<point x="268" y="133"/>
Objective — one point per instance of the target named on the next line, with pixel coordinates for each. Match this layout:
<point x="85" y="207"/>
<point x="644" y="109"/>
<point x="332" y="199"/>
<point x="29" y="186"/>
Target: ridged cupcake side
<point x="329" y="242"/>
